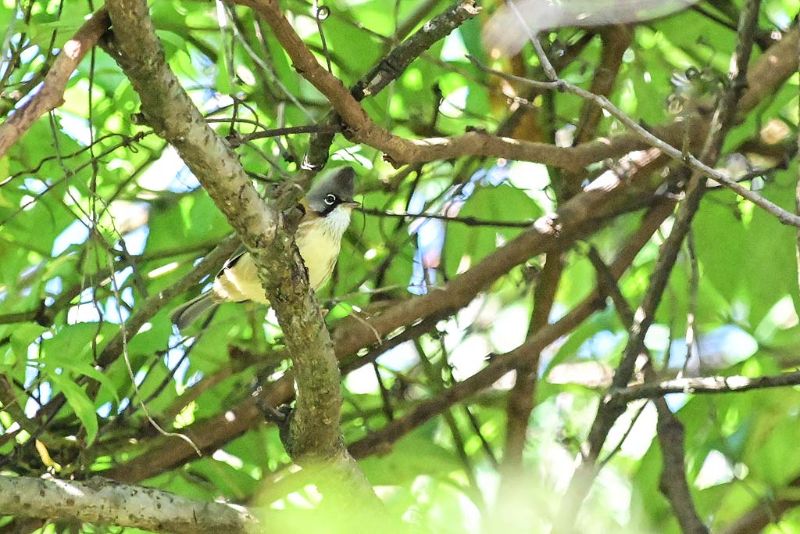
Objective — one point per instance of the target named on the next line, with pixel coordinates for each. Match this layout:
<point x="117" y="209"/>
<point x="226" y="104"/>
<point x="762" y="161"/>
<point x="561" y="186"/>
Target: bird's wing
<point x="230" y="262"/>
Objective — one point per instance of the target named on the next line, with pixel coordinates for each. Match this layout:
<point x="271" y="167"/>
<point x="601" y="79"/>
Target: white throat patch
<point x="337" y="221"/>
<point x="319" y="242"/>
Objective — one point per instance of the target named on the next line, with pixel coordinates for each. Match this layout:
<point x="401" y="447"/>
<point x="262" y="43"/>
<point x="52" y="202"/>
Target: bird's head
<point x="333" y="193"/>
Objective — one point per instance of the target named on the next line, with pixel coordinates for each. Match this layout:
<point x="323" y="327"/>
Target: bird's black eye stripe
<point x="330" y="199"/>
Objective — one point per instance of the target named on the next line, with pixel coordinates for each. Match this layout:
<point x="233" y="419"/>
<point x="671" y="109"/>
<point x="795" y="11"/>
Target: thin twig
<point x="468" y="221"/>
<point x="704" y="385"/>
<point x="123" y="328"/>
<point x="674" y="484"/>
<point x="51" y="93"/>
<point x="236" y="139"/>
<point x="609" y="410"/>
<point x="784" y="216"/>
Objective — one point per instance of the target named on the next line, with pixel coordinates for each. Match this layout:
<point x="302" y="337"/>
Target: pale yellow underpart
<point x="318" y="241"/>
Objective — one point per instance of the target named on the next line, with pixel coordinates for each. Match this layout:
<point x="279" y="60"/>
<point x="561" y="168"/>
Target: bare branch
<point x="105" y="501"/>
<point x="237" y="139"/>
<point x="468" y="221"/>
<point x="51" y="94"/>
<point x="784" y="216"/>
<point x="704" y="385"/>
<point x="395" y="63"/>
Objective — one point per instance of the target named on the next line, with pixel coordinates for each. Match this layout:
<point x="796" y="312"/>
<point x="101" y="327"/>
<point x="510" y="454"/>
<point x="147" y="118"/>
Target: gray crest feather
<point x="340" y="183"/>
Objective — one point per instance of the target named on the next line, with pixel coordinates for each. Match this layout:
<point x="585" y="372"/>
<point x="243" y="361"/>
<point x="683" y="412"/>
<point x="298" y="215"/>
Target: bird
<point x="327" y="209"/>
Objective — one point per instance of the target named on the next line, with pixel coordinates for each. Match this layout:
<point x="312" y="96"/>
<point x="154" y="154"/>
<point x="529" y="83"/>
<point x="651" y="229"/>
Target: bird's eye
<point x="330" y="199"/>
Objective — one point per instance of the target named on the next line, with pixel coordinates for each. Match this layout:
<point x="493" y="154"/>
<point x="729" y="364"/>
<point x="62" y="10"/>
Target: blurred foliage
<point x="97" y="214"/>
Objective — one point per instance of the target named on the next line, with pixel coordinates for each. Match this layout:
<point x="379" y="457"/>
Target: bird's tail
<point x="187" y="313"/>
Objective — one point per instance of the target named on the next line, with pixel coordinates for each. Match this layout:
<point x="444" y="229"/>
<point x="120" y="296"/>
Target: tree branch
<point x="51" y="94"/>
<point x="467" y="221"/>
<point x="703" y="385"/>
<point x="105" y="501"/>
<point x="393" y="65"/>
<point x="511" y="494"/>
<point x="501" y="364"/>
<point x="609" y="412"/>
<point x="168" y="109"/>
<point x="670" y="431"/>
<point x="521" y="396"/>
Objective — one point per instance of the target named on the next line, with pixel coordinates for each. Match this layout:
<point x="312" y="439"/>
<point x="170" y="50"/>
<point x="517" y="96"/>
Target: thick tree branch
<point x="771" y="70"/>
<point x="107" y="502"/>
<point x="616" y="40"/>
<point x="521" y="396"/>
<point x="511" y="494"/>
<point x="168" y="109"/>
<point x="673" y="483"/>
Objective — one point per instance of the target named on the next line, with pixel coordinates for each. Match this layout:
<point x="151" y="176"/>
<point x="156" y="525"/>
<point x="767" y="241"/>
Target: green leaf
<point x="23" y="336"/>
<point x="470" y="244"/>
<point x="71" y="351"/>
<point x="78" y="401"/>
<point x="410" y="457"/>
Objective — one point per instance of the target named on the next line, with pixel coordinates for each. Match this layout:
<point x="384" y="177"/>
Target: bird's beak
<point x="352" y="204"/>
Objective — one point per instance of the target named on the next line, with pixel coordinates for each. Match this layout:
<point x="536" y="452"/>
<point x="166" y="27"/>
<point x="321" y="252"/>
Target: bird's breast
<point x="239" y="282"/>
<point x="319" y="241"/>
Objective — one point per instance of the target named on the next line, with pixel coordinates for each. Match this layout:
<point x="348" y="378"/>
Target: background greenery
<point x="97" y="214"/>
